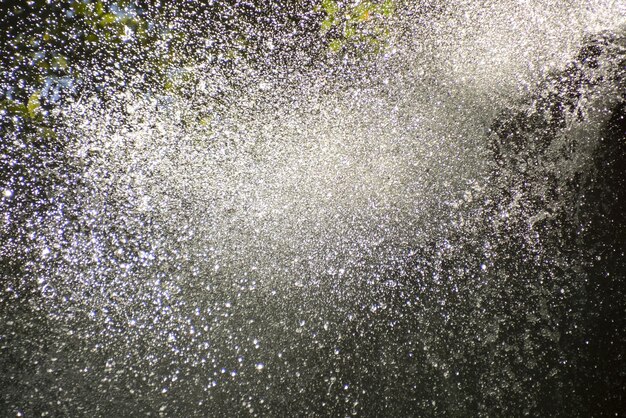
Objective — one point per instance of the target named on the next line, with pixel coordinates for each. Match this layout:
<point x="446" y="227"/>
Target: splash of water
<point x="327" y="180"/>
<point x="217" y="263"/>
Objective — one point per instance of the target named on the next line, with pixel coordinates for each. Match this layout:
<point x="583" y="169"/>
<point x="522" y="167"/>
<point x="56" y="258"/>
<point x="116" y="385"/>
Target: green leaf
<point x="14" y="108"/>
<point x="34" y="105"/>
<point x="387" y="8"/>
<point x="206" y="121"/>
<point x="327" y="24"/>
<point x="59" y="62"/>
<point x="99" y="8"/>
<point x="349" y="31"/>
<point x="362" y="12"/>
<point x="79" y="7"/>
<point x="335" y="45"/>
<point x="330" y="7"/>
<point x="108" y="19"/>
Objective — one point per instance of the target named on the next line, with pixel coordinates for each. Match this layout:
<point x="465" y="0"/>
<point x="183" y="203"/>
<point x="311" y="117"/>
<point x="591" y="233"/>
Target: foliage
<point x="59" y="49"/>
<point x="358" y="26"/>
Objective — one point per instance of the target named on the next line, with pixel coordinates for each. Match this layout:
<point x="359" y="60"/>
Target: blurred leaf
<point x="327" y="24"/>
<point x="362" y="12"/>
<point x="349" y="31"/>
<point x="335" y="45"/>
<point x="43" y="64"/>
<point x="46" y="133"/>
<point x="79" y="8"/>
<point x="387" y="9"/>
<point x="206" y="121"/>
<point x="34" y="105"/>
<point x="59" y="62"/>
<point x="108" y="19"/>
<point x="363" y="22"/>
<point x="330" y="7"/>
<point x="13" y="108"/>
<point x="99" y="8"/>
